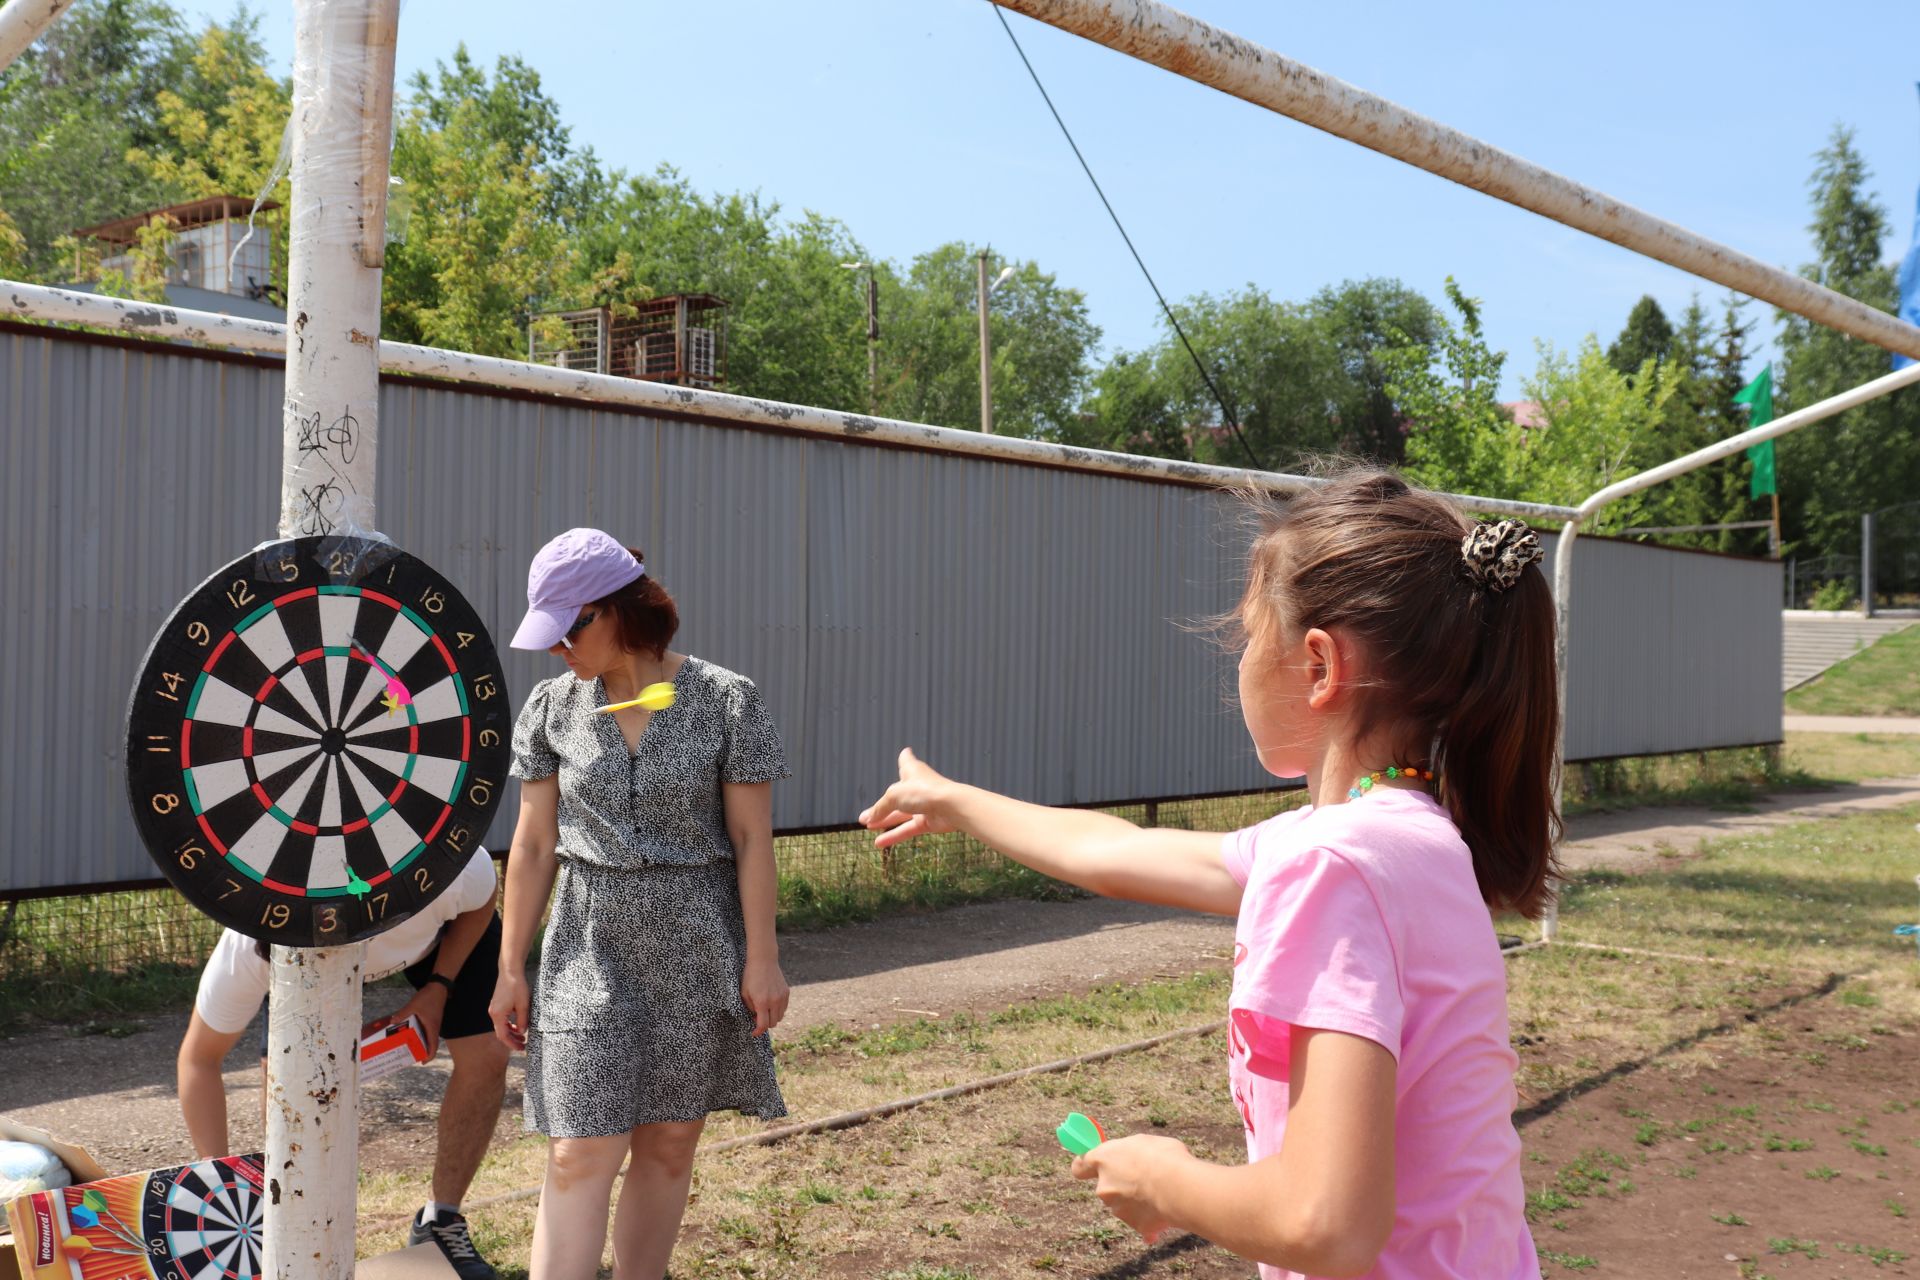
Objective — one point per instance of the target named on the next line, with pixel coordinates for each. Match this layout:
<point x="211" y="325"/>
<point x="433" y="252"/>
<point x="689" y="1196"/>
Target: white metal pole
<point x="342" y="120"/>
<point x="1866" y="565"/>
<point x="1186" y="46"/>
<point x="1563" y="553"/>
<point x="986" y="364"/>
<point x="22" y="21"/>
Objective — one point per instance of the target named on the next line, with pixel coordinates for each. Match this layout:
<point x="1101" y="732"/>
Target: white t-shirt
<point x="236" y="978"/>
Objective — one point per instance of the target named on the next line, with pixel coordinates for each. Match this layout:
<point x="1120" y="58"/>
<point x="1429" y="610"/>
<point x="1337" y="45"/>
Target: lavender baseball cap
<point x="570" y="573"/>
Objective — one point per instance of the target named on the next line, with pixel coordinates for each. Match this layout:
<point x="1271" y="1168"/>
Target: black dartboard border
<point x="156" y="1215"/>
<point x="156" y="710"/>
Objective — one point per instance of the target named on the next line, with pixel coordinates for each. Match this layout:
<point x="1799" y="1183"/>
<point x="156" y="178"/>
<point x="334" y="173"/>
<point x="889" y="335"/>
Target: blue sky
<point x="914" y="123"/>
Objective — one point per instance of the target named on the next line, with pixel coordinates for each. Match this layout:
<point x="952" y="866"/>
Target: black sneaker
<point x="450" y="1233"/>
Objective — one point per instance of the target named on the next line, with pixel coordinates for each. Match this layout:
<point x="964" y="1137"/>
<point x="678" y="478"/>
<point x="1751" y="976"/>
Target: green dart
<point x="1079" y="1135"/>
<point x="355" y="885"/>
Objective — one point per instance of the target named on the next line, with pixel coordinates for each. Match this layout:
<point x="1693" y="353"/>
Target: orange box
<point x="404" y="1044"/>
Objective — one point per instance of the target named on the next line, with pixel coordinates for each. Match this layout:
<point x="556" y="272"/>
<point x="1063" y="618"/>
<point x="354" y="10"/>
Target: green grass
<point x="1728" y="778"/>
<point x="1883" y="680"/>
<point x="1822" y="895"/>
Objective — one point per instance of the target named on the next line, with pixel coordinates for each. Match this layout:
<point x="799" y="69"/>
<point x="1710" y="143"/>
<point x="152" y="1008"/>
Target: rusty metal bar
<point x="1186" y="46"/>
<point x="37" y="302"/>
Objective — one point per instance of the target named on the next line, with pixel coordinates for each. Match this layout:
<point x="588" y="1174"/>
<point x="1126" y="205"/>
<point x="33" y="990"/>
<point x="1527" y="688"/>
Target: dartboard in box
<point x="317" y="740"/>
<point x="201" y="1221"/>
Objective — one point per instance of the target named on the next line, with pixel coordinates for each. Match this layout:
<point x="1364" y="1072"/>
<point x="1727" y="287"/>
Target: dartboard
<point x="203" y="1221"/>
<point x="317" y="740"/>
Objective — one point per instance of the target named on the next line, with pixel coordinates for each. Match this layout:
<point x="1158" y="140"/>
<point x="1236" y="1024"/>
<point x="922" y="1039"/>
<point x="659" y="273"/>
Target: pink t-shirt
<point x="1365" y="918"/>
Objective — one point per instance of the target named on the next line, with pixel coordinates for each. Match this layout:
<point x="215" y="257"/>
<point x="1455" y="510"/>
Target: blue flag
<point x="1910" y="284"/>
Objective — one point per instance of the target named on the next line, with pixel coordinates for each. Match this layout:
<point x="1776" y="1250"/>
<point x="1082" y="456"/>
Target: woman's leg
<point x="570" y="1231"/>
<point x="647" y="1221"/>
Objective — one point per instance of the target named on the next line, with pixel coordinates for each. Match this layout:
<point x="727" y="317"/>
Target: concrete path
<point x="1852" y="724"/>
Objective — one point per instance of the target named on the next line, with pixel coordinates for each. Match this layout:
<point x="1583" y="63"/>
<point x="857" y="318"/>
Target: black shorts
<point x="472" y="987"/>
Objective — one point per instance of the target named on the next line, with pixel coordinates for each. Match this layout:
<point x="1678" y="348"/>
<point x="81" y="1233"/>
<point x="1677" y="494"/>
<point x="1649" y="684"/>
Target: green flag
<point x="1758" y="397"/>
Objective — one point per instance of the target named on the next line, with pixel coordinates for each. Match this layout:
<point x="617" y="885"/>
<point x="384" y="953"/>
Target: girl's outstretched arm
<point x="1096" y="851"/>
<point x="1324" y="1205"/>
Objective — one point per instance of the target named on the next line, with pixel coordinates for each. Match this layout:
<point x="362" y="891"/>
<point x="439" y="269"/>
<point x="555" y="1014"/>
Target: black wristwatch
<point x="445" y="982"/>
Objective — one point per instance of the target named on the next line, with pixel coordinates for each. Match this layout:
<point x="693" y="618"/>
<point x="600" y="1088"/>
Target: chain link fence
<point x="144" y="947"/>
<point x="1823" y="582"/>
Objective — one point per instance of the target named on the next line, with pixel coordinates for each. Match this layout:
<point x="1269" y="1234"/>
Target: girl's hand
<point x="764" y="988"/>
<point x="920" y="804"/>
<point x="508" y="1009"/>
<point x="1126" y="1173"/>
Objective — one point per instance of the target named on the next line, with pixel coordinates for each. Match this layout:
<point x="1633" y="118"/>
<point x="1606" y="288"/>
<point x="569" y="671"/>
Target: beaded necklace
<point x="1391" y="771"/>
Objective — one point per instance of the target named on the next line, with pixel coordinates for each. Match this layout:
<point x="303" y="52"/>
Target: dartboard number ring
<point x="317" y="739"/>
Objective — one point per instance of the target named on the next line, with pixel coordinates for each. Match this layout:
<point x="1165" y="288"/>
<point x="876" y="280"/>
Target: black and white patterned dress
<point x="637" y="1015"/>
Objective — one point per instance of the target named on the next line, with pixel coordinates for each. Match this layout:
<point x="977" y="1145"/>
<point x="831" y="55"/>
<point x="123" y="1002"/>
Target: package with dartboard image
<point x="200" y="1221"/>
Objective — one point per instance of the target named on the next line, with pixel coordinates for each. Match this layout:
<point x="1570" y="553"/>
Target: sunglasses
<point x="580" y="624"/>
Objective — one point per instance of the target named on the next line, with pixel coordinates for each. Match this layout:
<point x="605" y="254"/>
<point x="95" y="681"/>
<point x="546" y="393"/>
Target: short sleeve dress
<point x="637" y="1014"/>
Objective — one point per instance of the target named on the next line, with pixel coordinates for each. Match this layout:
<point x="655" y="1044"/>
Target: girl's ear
<point x="1326" y="667"/>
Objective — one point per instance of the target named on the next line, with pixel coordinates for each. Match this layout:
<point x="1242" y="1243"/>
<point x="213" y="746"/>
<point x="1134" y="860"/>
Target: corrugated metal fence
<point x="1019" y="624"/>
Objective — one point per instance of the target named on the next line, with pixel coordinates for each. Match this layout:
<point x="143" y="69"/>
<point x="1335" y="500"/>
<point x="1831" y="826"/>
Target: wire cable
<point x="1199" y="364"/>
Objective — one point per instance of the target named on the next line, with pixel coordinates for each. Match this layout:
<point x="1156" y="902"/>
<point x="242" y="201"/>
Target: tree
<point x="1868" y="457"/>
<point x="1596" y="425"/>
<point x="1041" y="340"/>
<point x="1705" y="367"/>
<point x="1365" y="319"/>
<point x="1450" y="394"/>
<point x="1132" y="408"/>
<point x="1648" y="336"/>
<point x="70" y="109"/>
<point x="796" y="321"/>
<point x="13" y="248"/>
<point x="219" y="130"/>
<point x="484" y="243"/>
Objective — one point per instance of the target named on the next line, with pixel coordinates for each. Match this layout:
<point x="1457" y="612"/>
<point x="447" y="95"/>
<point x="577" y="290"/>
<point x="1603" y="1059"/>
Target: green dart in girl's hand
<point x="1079" y="1135"/>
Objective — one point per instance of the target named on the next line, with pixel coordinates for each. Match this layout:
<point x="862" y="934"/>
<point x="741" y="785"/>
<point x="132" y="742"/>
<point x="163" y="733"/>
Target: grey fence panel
<point x="1670" y="651"/>
<point x="1024" y="627"/>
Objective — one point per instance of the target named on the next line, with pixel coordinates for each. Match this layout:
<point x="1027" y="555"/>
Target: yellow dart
<point x="655" y="697"/>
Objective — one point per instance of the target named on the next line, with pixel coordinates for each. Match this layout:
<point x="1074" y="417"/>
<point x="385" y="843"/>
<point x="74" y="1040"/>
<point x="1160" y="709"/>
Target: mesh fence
<point x="826" y="878"/>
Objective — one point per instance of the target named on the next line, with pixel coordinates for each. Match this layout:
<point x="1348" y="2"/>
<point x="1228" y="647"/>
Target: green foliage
<point x="13" y="248"/>
<point x="1299" y="379"/>
<point x="1451" y="397"/>
<point x="1863" y="459"/>
<point x="1648" y="336"/>
<point x="480" y="161"/>
<point x="70" y="109"/>
<point x="1589" y="425"/>
<point x="1834" y="596"/>
<point x="1040" y="348"/>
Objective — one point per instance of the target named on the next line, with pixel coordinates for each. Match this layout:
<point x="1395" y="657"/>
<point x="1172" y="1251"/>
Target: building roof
<point x="194" y="213"/>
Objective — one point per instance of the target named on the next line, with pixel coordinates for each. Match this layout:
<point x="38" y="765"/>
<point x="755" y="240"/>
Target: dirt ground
<point x="1640" y="1207"/>
<point x="1793" y="1150"/>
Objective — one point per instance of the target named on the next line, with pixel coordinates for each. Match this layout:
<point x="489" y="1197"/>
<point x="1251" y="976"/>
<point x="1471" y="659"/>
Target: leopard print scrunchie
<point x="1497" y="553"/>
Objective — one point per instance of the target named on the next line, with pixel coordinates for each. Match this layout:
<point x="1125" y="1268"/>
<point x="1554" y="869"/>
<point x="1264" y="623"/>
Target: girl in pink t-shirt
<point x="1401" y="658"/>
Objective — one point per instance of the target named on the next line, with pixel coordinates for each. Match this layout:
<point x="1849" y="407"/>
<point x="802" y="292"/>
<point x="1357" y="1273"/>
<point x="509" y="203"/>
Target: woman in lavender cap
<point x="659" y="974"/>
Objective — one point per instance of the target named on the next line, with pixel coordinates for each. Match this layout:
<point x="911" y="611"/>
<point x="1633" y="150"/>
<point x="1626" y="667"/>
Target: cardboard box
<point x="421" y="1262"/>
<point x="81" y="1165"/>
<point x="158" y="1224"/>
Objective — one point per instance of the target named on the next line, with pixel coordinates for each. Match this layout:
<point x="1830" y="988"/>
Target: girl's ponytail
<point x="1458" y="623"/>
<point x="1494" y="749"/>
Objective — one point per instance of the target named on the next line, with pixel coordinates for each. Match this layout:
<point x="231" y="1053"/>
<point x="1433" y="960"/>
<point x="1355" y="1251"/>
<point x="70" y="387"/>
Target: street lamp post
<point x="873" y="333"/>
<point x="986" y="362"/>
